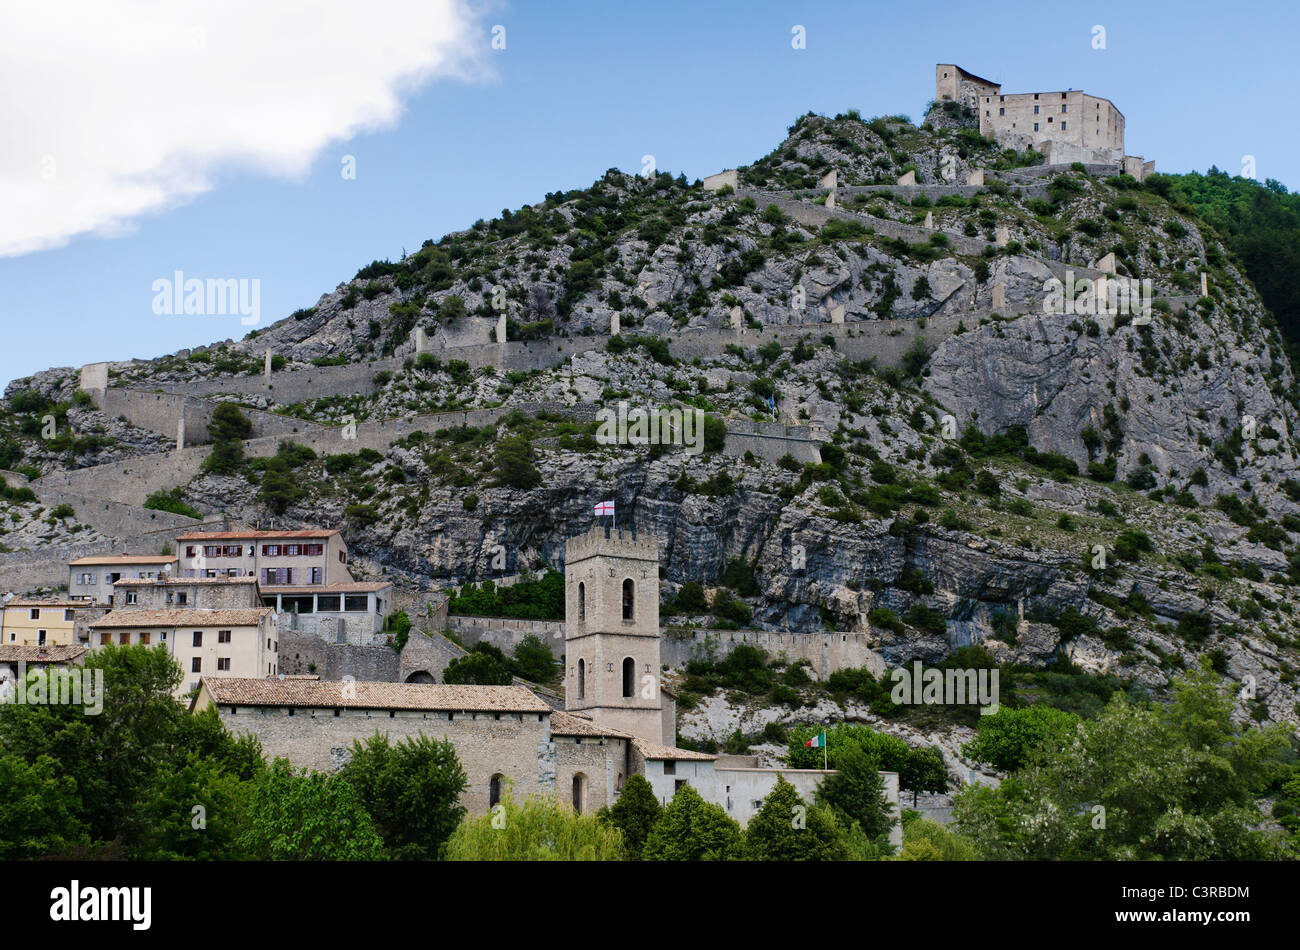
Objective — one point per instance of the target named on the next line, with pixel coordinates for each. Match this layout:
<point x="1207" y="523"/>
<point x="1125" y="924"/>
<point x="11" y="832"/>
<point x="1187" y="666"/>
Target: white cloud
<point x="112" y="110"/>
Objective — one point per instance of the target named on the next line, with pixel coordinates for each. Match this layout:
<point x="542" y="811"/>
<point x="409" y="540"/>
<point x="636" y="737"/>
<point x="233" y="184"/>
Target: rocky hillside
<point x="1053" y="486"/>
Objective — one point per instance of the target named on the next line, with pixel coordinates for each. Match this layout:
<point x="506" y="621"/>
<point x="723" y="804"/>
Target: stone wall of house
<point x="304" y="653"/>
<point x="358" y="628"/>
<point x="602" y="762"/>
<point x="514" y="745"/>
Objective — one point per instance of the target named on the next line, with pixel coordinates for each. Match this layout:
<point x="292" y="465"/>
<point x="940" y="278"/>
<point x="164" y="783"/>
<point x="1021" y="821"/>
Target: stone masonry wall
<point x="516" y="745"/>
<point x="827" y="652"/>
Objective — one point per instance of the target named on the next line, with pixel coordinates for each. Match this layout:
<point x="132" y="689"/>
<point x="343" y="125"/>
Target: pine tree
<point x="635" y="814"/>
<point x="691" y="829"/>
<point x="786" y="829"/>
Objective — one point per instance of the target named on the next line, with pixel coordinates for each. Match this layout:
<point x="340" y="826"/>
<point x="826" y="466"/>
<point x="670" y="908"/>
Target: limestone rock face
<point x="1179" y="428"/>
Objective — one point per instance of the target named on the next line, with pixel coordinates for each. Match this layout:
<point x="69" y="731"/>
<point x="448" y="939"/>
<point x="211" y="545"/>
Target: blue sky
<point x="582" y="87"/>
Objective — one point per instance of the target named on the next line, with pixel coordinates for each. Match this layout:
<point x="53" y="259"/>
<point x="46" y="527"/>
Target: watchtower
<point x="611" y="631"/>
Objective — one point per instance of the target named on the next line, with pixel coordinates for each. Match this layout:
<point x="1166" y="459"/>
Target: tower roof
<point x="611" y="542"/>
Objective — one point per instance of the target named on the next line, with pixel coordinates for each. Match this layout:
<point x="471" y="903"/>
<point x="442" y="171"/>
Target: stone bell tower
<point x="611" y="631"/>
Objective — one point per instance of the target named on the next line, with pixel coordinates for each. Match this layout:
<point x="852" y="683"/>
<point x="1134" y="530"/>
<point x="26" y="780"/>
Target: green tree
<point x="890" y="752"/>
<point x="691" y="829"/>
<point x="856" y="793"/>
<point x="228" y="427"/>
<point x="923" y="771"/>
<point x="690" y="598"/>
<point x="307" y="816"/>
<point x="1009" y="738"/>
<point x="400" y="626"/>
<point x="514" y="463"/>
<point x="634" y="814"/>
<point x="533" y="660"/>
<point x="787" y="829"/>
<point x="193" y="811"/>
<point x="279" y="488"/>
<point x="925" y="840"/>
<point x="484" y="665"/>
<point x="39" y="810"/>
<point x="715" y="434"/>
<point x="539" y="829"/>
<point x="411" y="792"/>
<point x="1139" y="782"/>
<point x="112" y="757"/>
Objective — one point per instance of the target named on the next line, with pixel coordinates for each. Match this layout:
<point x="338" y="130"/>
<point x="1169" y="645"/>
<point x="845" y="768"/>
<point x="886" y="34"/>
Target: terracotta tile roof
<point x="652" y="750"/>
<point x="171" y="581"/>
<point x="238" y="691"/>
<point x="183" y="617"/>
<point x="256" y="535"/>
<point x="339" y="587"/>
<point x="576" y="724"/>
<point x="29" y="653"/>
<point x="33" y="602"/>
<point x="109" y="559"/>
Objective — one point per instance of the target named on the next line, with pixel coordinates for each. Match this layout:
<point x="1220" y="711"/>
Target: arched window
<point x="582" y="602"/>
<point x="579" y="791"/>
<point x="629" y="598"/>
<point x="582" y="679"/>
<point x="629" y="678"/>
<point x="494" y="790"/>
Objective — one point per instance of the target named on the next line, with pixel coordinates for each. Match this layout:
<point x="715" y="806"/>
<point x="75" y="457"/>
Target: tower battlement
<point x="611" y="542"/>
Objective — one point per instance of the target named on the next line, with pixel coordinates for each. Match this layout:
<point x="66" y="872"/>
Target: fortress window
<point x="1035" y="97"/>
<point x="670" y="767"/>
<point x="1035" y="110"/>
<point x="629" y="599"/>
<point x="1002" y="111"/>
<point x="582" y="678"/>
<point x="579" y="791"/>
<point x="1035" y="126"/>
<point x="1065" y="109"/>
<point x="629" y="678"/>
<point x="582" y="602"/>
<point x="1063" y="125"/>
<point x="494" y="790"/>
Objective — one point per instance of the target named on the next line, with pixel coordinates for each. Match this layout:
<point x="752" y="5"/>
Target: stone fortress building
<point x="1065" y="127"/>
